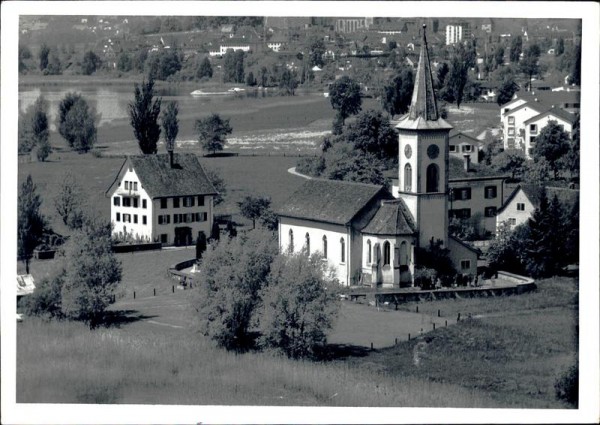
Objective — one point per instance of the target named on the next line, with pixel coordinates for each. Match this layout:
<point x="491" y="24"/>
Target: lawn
<point x="264" y="176"/>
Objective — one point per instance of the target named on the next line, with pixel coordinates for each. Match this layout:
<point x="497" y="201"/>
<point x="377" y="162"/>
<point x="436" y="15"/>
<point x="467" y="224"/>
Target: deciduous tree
<point x="204" y="69"/>
<point x="397" y="94"/>
<point x="299" y="306"/>
<point x="344" y="95"/>
<point x="552" y="144"/>
<point x="529" y="64"/>
<point x="70" y="202"/>
<point x="77" y="122"/>
<point x="31" y="224"/>
<point x="212" y="131"/>
<point x="90" y="63"/>
<point x="143" y="114"/>
<point x="93" y="273"/>
<point x="43" y="56"/>
<point x="33" y="128"/>
<point x="372" y="133"/>
<point x="509" y="161"/>
<point x="506" y="91"/>
<point x="288" y="82"/>
<point x="252" y="207"/>
<point x="516" y="47"/>
<point x="170" y="124"/>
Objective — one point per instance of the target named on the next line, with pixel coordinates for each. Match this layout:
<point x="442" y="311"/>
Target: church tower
<point x="423" y="157"/>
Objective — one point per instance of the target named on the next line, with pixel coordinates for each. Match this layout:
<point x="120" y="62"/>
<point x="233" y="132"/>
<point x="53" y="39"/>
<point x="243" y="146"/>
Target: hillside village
<point x="398" y="203"/>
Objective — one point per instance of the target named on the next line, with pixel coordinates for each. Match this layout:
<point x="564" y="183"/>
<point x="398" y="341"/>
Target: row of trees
<point x="250" y="296"/>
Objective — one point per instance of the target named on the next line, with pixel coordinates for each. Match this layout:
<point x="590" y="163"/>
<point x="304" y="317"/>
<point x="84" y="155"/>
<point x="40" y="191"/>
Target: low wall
<point x="176" y="273"/>
<point x="521" y="285"/>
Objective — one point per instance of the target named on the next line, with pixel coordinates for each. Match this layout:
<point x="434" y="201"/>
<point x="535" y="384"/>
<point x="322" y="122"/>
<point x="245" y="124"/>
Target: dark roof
<point x="455" y="133"/>
<point x="423" y="111"/>
<point x="534" y="194"/>
<point x="456" y="170"/>
<point x="157" y="177"/>
<point x="557" y="112"/>
<point x="392" y="218"/>
<point x="536" y="106"/>
<point x="331" y="201"/>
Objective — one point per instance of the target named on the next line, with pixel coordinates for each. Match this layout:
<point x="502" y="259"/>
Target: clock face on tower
<point x="407" y="151"/>
<point x="433" y="151"/>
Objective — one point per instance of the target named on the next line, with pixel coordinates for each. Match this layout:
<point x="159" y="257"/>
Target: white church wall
<point x="389" y="274"/>
<point x="317" y="230"/>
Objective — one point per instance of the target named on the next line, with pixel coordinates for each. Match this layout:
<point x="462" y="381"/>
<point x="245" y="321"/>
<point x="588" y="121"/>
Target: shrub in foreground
<point x="567" y="386"/>
<point x="298" y="307"/>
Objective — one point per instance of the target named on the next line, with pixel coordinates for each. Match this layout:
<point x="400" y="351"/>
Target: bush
<point x="567" y="386"/>
<point x="45" y="301"/>
<point x="298" y="307"/>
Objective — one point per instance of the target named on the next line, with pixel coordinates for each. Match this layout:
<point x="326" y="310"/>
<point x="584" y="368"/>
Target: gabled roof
<point x="455" y="133"/>
<point x="534" y="194"/>
<point x="536" y="106"/>
<point x="423" y="112"/>
<point x="557" y="112"/>
<point x="330" y="201"/>
<point x="392" y="218"/>
<point x="158" y="179"/>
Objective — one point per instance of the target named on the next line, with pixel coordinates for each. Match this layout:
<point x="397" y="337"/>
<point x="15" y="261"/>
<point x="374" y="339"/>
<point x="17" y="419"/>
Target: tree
<point x="124" y="63"/>
<point x="435" y="25"/>
<point x="506" y="91"/>
<point x="572" y="159"/>
<point x="498" y="57"/>
<point x="544" y="246"/>
<point x="316" y="52"/>
<point x="43" y="56"/>
<point x="77" y="122"/>
<point x="298" y="307"/>
<point x="54" y="66"/>
<point x="457" y="77"/>
<point x="509" y="161"/>
<point x="288" y="82"/>
<point x="372" y="133"/>
<point x="344" y="162"/>
<point x="233" y="272"/>
<point x="170" y="124"/>
<point x="529" y="65"/>
<point x="93" y="273"/>
<point x="143" y="114"/>
<point x="70" y="201"/>
<point x="575" y="68"/>
<point x="437" y="258"/>
<point x="200" y="246"/>
<point x="571" y="223"/>
<point x="214" y="176"/>
<point x="552" y="144"/>
<point x="560" y="48"/>
<point x="250" y="80"/>
<point x="442" y="73"/>
<point x="212" y="131"/>
<point x="90" y="63"/>
<point x="516" y="46"/>
<point x="233" y="66"/>
<point x="252" y="207"/>
<point x="397" y="94"/>
<point x="204" y="69"/>
<point x="34" y="129"/>
<point x="344" y="95"/>
<point x="31" y="224"/>
<point x="169" y="63"/>
<point x="506" y="250"/>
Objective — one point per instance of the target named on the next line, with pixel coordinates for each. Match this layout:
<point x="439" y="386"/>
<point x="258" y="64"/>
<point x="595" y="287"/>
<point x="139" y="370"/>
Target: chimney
<point x="467" y="162"/>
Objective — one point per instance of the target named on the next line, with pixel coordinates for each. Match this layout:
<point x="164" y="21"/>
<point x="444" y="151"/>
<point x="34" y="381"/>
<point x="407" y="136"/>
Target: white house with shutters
<point x="366" y="234"/>
<point x="156" y="199"/>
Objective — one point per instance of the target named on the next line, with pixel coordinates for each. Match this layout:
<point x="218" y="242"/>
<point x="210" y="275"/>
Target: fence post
<point x="154" y="290"/>
<point x="458" y="318"/>
<point x="134" y="295"/>
<point x="417" y="308"/>
<point x="439" y="313"/>
<point x="446" y="323"/>
<point x="434" y="326"/>
<point x="395" y="341"/>
<point x="173" y="288"/>
<point x="371" y="346"/>
<point x="409" y="337"/>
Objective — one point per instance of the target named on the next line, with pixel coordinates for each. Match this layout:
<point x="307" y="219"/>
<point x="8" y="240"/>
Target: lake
<point x="260" y="120"/>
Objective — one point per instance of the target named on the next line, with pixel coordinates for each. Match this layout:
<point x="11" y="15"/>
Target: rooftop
<point x="331" y="201"/>
<point x="392" y="218"/>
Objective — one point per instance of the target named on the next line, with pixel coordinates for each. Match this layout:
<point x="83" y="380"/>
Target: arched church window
<point x="433" y="177"/>
<point x="386" y="253"/>
<point x="369" y="253"/>
<point x="407" y="178"/>
<point x="307" y="237"/>
<point x="343" y="250"/>
<point x="403" y="254"/>
<point x="324" y="246"/>
<point x="291" y="246"/>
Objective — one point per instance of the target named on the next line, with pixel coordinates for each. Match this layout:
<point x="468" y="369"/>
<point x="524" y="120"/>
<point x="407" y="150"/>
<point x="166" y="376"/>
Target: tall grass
<point x="66" y="362"/>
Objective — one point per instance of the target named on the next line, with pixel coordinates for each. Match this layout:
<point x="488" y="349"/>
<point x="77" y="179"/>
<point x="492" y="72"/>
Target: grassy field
<point x="513" y="349"/>
<point x="265" y="176"/>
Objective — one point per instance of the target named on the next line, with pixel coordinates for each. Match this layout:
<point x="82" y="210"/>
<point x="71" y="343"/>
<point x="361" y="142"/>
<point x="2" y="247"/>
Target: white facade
<point x="332" y="241"/>
<point x="224" y="48"/>
<point x="460" y="145"/>
<point x="170" y="220"/>
<point x="513" y="128"/>
<point x="517" y="211"/>
<point x="275" y="46"/>
<point x="454" y="34"/>
<point x="388" y="260"/>
<point x="534" y="126"/>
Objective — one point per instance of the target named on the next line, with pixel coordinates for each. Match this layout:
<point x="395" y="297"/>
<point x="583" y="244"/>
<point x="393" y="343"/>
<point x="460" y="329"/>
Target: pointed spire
<point x="423" y="102"/>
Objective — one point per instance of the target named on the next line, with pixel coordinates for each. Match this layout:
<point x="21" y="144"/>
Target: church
<point x="366" y="234"/>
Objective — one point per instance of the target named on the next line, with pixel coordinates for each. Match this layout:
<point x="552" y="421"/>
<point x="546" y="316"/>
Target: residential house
<point x="463" y="146"/>
<point x="368" y="235"/>
<point x="525" y="198"/>
<point x="161" y="199"/>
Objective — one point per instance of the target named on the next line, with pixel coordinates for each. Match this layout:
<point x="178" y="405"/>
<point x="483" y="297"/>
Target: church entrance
<point x="183" y="236"/>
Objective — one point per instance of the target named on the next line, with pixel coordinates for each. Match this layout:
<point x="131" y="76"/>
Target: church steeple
<point x="423" y="102"/>
<point x="423" y="111"/>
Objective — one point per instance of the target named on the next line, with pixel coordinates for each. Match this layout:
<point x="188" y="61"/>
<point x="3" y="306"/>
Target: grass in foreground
<point x="65" y="362"/>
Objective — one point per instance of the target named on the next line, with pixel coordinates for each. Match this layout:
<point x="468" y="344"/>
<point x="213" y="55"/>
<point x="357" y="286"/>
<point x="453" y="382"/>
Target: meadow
<point x="496" y="359"/>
